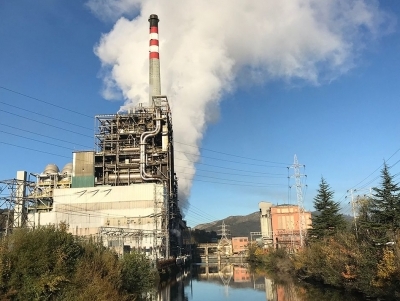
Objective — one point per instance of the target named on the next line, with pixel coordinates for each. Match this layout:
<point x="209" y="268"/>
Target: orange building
<point x="286" y="221"/>
<point x="240" y="244"/>
<point x="241" y="274"/>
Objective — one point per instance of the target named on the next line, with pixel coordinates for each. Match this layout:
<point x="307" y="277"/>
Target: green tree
<point x="138" y="276"/>
<point x="50" y="264"/>
<point x="37" y="265"/>
<point x="97" y="276"/>
<point x="385" y="207"/>
<point x="328" y="219"/>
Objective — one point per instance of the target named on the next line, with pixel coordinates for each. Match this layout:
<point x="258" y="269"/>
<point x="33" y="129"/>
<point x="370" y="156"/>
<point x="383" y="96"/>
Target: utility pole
<point x="353" y="207"/>
<point x="296" y="167"/>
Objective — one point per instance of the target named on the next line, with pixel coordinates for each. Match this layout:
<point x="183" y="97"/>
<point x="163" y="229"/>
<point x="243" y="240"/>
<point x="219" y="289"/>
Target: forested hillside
<point x="240" y="225"/>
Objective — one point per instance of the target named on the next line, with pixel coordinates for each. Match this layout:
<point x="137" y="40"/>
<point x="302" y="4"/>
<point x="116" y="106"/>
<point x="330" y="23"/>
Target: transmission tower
<point x="224" y="244"/>
<point x="297" y="175"/>
<point x="14" y="206"/>
<point x="225" y="273"/>
<point x="224" y="232"/>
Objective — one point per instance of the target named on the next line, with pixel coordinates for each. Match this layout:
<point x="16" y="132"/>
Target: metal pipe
<point x="129" y="149"/>
<point x="130" y="170"/>
<point x="143" y="138"/>
<point x="124" y="176"/>
<point x="164" y="137"/>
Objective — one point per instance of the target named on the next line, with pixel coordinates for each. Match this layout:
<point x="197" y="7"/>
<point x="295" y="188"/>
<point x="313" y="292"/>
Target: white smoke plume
<point x="207" y="47"/>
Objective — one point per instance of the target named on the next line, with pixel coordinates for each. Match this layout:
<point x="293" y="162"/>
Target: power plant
<point x="124" y="192"/>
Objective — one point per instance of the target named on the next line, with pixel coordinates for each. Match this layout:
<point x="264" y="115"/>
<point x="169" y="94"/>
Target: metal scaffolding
<point x="14" y="203"/>
<point x="137" y="147"/>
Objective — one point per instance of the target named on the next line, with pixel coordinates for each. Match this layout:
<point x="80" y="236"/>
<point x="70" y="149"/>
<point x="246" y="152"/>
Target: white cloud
<point x="207" y="46"/>
<point x="110" y="10"/>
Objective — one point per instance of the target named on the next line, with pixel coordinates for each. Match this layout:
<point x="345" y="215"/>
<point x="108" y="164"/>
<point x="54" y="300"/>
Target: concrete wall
<point x="240" y="244"/>
<point x="286" y="222"/>
<point x="265" y="220"/>
<point x="241" y="274"/>
<point x="133" y="208"/>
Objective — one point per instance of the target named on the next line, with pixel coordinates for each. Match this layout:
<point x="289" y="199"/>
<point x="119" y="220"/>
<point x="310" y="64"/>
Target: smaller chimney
<point x="154" y="60"/>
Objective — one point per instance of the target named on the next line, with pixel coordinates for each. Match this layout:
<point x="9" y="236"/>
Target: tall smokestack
<point x="154" y="62"/>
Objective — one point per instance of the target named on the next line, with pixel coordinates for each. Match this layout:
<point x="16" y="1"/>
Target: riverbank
<point x="340" y="261"/>
<point x="50" y="264"/>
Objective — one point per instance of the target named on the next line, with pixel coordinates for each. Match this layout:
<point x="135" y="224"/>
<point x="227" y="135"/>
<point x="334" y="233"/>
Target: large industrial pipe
<point x="129" y="149"/>
<point x="164" y="141"/>
<point x="154" y="60"/>
<point x="143" y="139"/>
<point x="124" y="176"/>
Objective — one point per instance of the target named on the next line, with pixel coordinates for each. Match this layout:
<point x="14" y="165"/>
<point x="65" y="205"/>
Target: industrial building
<point x="124" y="192"/>
<point x="240" y="245"/>
<point x="284" y="225"/>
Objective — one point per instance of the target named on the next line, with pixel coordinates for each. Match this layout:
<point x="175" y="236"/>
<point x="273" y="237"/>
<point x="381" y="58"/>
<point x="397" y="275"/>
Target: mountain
<point x="240" y="225"/>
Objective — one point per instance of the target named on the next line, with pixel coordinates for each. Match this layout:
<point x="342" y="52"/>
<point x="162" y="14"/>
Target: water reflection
<point x="235" y="282"/>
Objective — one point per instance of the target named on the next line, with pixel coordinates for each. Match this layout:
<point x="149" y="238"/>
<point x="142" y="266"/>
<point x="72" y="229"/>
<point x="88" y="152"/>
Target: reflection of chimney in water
<point x="154" y="60"/>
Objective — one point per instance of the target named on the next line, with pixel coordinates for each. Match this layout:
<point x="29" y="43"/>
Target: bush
<point x="276" y="261"/>
<point x="50" y="264"/>
<point x="37" y="265"/>
<point x="138" y="276"/>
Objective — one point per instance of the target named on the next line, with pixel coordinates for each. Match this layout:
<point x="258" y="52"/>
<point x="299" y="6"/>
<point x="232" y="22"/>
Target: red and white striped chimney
<point x="154" y="60"/>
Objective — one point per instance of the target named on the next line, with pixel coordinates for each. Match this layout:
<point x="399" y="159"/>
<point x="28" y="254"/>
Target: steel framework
<point x="14" y="204"/>
<point x="297" y="175"/>
<point x="137" y="147"/>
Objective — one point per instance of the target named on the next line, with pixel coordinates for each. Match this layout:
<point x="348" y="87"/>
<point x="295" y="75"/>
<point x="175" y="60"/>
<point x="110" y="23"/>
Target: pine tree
<point x="385" y="206"/>
<point x="328" y="219"/>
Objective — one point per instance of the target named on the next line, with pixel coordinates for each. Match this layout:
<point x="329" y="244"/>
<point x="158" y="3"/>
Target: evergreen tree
<point x="385" y="206"/>
<point x="328" y="219"/>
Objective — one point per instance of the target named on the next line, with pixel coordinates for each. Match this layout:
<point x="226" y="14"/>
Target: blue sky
<point x="341" y="126"/>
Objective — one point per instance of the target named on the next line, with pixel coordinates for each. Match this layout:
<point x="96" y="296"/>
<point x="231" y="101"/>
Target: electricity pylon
<point x="302" y="228"/>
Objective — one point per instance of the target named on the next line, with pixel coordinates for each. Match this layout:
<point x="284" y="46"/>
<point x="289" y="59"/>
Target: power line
<point x="40" y="141"/>
<point x="46" y="102"/>
<point x="206" y="213"/>
<point x="213" y="182"/>
<point x="272" y="175"/>
<point x="200" y="216"/>
<point x="186" y="160"/>
<point x="47" y="116"/>
<point x="79" y="211"/>
<point x="53" y="138"/>
<point x="237" y="162"/>
<point x="35" y="150"/>
<point x="237" y="181"/>
<point x="63" y="156"/>
<point x="48" y="124"/>
<point x="76" y="112"/>
<point x="263" y="185"/>
<point x="54" y="126"/>
<point x="227" y="154"/>
<point x="379" y="168"/>
<point x="32" y="139"/>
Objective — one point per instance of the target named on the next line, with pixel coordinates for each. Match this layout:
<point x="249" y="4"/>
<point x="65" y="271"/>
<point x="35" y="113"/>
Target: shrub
<point x="50" y="264"/>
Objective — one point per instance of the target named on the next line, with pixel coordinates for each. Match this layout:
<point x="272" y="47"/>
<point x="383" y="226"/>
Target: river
<point x="234" y="282"/>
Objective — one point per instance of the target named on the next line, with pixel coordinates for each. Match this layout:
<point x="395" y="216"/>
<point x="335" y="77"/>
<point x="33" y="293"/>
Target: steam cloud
<point x="207" y="47"/>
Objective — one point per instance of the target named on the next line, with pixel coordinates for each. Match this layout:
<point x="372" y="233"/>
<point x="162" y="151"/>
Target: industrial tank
<point x="67" y="169"/>
<point x="51" y="169"/>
